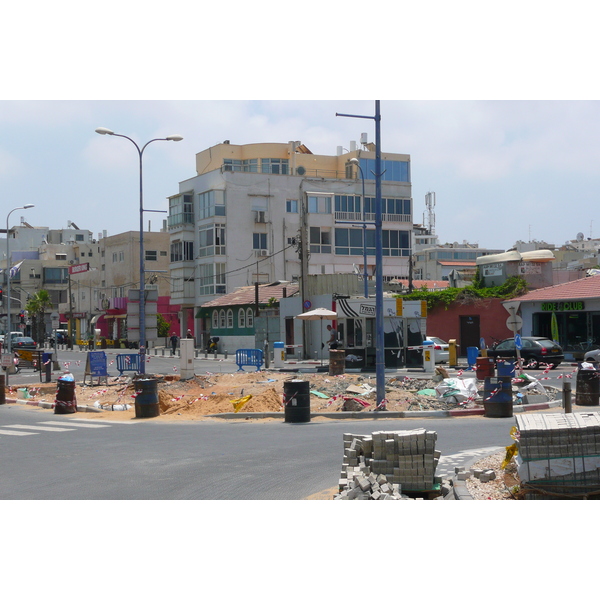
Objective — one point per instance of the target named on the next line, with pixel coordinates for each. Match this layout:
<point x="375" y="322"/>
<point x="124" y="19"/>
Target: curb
<point x="459" y="487"/>
<point x="415" y="414"/>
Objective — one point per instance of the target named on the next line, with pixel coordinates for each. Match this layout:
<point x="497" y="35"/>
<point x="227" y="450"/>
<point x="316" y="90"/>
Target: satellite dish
<point x="301" y="170"/>
<point x="580" y="237"/>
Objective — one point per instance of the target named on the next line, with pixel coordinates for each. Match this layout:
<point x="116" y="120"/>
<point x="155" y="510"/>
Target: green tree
<point x="162" y="325"/>
<point x="36" y="306"/>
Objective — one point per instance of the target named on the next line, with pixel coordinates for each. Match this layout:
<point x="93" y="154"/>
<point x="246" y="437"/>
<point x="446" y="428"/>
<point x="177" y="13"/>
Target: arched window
<point x="249" y="318"/>
<point x="222" y="322"/>
<point x="241" y="318"/>
<point x="215" y="319"/>
<point x="229" y="318"/>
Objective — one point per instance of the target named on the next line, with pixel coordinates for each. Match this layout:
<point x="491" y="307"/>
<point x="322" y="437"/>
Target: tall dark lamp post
<point x="170" y="138"/>
<point x="8" y="326"/>
<point x="379" y="345"/>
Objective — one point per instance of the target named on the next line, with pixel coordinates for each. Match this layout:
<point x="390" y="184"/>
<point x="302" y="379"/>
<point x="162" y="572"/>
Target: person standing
<point x="173" y="339"/>
<point x="333" y="339"/>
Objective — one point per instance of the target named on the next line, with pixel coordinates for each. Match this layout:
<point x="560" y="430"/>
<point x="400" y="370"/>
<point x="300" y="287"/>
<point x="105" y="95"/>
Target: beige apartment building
<point x="275" y="211"/>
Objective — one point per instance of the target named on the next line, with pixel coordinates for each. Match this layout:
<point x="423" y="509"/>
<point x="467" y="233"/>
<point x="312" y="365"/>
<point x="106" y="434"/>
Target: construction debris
<point x="403" y="460"/>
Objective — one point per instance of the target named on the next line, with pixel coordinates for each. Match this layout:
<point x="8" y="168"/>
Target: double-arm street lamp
<point x="142" y="342"/>
<point x="8" y="326"/>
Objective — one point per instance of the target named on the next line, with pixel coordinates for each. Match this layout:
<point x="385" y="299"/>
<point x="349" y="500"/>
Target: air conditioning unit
<point x="262" y="253"/>
<point x="259" y="216"/>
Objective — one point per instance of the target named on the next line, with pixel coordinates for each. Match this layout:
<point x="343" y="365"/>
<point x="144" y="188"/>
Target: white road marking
<point x="17" y="432"/>
<point x="72" y="424"/>
<point x="38" y="428"/>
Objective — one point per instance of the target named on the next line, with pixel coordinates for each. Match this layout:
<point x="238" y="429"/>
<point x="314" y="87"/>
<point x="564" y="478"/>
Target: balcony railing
<point x="352" y="216"/>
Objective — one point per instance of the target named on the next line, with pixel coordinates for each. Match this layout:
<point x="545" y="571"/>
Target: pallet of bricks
<point x="559" y="456"/>
<point x="389" y="465"/>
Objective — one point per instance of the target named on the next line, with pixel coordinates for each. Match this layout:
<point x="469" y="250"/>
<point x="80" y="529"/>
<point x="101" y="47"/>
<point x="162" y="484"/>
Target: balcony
<point x="390" y="218"/>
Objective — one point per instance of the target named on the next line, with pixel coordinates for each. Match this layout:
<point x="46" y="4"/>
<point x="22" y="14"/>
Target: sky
<point x="499" y="115"/>
<point x="501" y="171"/>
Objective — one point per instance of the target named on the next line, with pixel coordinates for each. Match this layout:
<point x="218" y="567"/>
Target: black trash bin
<point x="587" y="390"/>
<point x="2" y="389"/>
<point x="66" y="402"/>
<point x="296" y="400"/>
<point x="146" y="398"/>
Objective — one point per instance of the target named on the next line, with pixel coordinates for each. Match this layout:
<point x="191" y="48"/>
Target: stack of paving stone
<point x="406" y="459"/>
<point x="559" y="455"/>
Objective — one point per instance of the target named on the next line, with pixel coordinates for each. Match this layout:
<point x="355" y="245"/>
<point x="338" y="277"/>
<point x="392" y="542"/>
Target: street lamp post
<point x="356" y="162"/>
<point x="9" y="328"/>
<point x="379" y="345"/>
<point x="142" y="342"/>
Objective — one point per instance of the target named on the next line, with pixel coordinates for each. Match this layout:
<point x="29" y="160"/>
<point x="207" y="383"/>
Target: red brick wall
<point x="445" y="323"/>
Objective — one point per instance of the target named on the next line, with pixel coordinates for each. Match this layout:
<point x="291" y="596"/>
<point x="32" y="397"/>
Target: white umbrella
<point x="318" y="314"/>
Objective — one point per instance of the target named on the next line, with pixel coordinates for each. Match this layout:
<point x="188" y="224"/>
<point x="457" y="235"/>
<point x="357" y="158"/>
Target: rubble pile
<point x="403" y="460"/>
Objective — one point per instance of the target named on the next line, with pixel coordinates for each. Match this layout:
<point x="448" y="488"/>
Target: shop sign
<point x="563" y="306"/>
<point x="530" y="268"/>
<point x="494" y="270"/>
<point x="367" y="309"/>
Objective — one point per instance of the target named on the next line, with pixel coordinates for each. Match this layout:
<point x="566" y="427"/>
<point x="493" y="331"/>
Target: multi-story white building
<point x="275" y="211"/>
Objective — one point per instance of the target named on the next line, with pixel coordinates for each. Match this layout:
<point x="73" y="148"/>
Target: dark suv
<point x="536" y="352"/>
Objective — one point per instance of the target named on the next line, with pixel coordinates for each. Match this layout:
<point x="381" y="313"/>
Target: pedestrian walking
<point x="173" y="339"/>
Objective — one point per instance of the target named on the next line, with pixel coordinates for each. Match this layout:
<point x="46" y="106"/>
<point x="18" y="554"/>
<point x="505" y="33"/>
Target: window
<point x="291" y="206"/>
<point x="182" y="251"/>
<point x="259" y="241"/>
<point x="212" y="279"/>
<point x="114" y="257"/>
<point x="392" y="170"/>
<point x="222" y="319"/>
<point x="249" y="318"/>
<point x="229" y="318"/>
<point x="181" y="210"/>
<point x="393" y="209"/>
<point x="60" y="256"/>
<point x="249" y="165"/>
<point x="349" y="242"/>
<point x="319" y="204"/>
<point x="241" y="318"/>
<point x="320" y="240"/>
<point x="211" y="240"/>
<point x="347" y="204"/>
<point x="151" y="255"/>
<point x="56" y="275"/>
<point x="275" y="166"/>
<point x="211" y="203"/>
<point x="215" y="319"/>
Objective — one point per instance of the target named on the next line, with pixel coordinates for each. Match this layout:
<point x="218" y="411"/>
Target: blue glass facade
<point x="393" y="170"/>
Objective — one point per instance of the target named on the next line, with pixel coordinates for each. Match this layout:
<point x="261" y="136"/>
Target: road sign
<point x="514" y="323"/>
<point x="307" y="304"/>
<point x="518" y="342"/>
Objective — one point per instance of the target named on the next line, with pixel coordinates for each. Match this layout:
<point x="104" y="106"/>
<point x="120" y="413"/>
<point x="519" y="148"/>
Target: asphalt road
<point x="53" y="457"/>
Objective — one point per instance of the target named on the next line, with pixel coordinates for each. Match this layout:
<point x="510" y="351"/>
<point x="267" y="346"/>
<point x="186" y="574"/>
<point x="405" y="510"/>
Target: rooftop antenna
<point x="430" y="203"/>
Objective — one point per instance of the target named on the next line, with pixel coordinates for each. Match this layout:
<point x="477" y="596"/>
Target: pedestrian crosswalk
<point x="19" y="429"/>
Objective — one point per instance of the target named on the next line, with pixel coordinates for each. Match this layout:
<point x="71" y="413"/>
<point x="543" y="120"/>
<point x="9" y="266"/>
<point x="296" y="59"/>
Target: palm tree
<point x="36" y="306"/>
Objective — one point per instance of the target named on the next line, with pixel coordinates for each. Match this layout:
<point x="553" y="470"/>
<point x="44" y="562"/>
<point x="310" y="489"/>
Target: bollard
<point x="225" y="354"/>
<point x="567" y="397"/>
<point x="2" y="389"/>
<point x="215" y="353"/>
<point x="206" y="354"/>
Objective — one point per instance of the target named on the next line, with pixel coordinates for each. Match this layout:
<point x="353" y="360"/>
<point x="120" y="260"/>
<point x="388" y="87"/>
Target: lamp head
<point x="174" y="138"/>
<point x="104" y="131"/>
<point x="354" y="161"/>
<point x="29" y="206"/>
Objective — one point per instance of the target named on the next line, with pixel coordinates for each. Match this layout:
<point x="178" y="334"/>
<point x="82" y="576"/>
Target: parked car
<point x="536" y="352"/>
<point x="23" y="343"/>
<point x="592" y="355"/>
<point x="440" y="348"/>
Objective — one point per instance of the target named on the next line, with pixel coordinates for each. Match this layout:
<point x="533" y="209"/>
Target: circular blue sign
<point x="518" y="342"/>
<point x="307" y="304"/>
